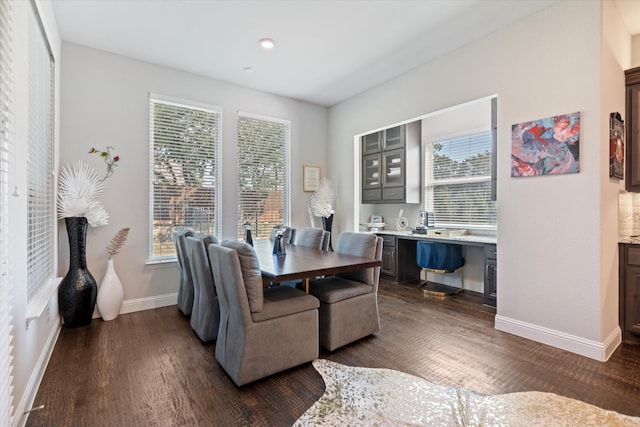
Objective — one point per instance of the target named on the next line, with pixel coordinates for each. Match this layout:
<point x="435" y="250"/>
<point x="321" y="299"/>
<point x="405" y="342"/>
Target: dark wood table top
<point x="301" y="262"/>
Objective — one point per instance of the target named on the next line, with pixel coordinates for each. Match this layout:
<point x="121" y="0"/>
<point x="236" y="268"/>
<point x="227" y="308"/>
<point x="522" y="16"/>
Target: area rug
<point x="383" y="397"/>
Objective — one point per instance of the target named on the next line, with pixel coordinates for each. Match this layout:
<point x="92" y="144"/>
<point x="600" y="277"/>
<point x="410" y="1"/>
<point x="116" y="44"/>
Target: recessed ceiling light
<point x="267" y="44"/>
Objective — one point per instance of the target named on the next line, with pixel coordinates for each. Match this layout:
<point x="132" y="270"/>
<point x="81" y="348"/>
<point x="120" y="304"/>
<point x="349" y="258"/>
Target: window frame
<point x="42" y="259"/>
<point x="427" y="154"/>
<point x="286" y="220"/>
<point x="7" y="147"/>
<point x="194" y="105"/>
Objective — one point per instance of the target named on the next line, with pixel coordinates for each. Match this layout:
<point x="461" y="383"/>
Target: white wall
<point x="616" y="57"/>
<point x="105" y="101"/>
<point x="551" y="229"/>
<point x="635" y="51"/>
<point x="33" y="340"/>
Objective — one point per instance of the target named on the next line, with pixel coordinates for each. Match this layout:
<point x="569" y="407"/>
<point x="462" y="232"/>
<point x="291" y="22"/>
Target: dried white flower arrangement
<point x="323" y="200"/>
<point x="78" y="192"/>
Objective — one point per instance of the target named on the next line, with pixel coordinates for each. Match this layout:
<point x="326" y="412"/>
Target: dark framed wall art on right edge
<point x="616" y="146"/>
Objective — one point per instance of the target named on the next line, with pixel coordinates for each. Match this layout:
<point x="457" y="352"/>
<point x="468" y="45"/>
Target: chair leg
<point x="440" y="289"/>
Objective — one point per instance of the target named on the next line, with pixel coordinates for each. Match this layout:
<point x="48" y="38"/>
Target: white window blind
<point x="263" y="174"/>
<point x="40" y="174"/>
<point x="458" y="181"/>
<point x="184" y="174"/>
<point x="6" y="152"/>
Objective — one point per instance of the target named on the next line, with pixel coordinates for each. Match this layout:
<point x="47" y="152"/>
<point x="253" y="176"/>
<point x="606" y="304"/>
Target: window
<point x="41" y="214"/>
<point x="263" y="174"/>
<point x="6" y="146"/>
<point x="184" y="172"/>
<point x="458" y="181"/>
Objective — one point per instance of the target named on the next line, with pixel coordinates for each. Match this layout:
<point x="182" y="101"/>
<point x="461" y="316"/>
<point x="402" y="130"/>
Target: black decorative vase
<point x="326" y="226"/>
<point x="78" y="290"/>
<point x="278" y="245"/>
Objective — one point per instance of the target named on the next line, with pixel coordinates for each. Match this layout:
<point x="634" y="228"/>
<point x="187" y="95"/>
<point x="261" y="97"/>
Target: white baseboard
<point x="148" y="303"/>
<point x="33" y="385"/>
<point x="593" y="349"/>
<point x="141" y="304"/>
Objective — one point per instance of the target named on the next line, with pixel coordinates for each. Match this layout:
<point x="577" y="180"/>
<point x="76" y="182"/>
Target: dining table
<point x="304" y="263"/>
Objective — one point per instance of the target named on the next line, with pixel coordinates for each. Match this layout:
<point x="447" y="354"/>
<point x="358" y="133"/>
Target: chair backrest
<point x="235" y="314"/>
<point x="439" y="256"/>
<point x="364" y="245"/>
<point x="180" y="245"/>
<point x="185" y="287"/>
<point x="311" y="237"/>
<point x="251" y="274"/>
<point x="288" y="233"/>
<point x="201" y="271"/>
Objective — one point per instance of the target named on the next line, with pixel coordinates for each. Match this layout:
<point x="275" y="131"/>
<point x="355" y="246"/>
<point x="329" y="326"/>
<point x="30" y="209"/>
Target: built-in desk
<point x="399" y="257"/>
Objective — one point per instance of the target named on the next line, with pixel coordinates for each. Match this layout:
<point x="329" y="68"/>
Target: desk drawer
<point x="388" y="240"/>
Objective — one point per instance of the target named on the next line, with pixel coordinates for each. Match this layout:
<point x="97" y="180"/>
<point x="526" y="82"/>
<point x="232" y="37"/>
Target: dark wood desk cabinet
<point x="490" y="276"/>
<point x="399" y="259"/>
<point x="399" y="263"/>
<point x="630" y="292"/>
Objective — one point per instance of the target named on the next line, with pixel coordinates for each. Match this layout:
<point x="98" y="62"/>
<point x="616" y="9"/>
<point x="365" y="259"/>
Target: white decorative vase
<point x="110" y="294"/>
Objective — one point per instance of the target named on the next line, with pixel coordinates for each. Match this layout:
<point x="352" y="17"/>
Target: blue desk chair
<point x="440" y="258"/>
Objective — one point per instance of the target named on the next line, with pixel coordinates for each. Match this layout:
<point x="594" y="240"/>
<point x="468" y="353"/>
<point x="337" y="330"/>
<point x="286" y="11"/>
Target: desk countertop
<point x="467" y="238"/>
<point x="634" y="240"/>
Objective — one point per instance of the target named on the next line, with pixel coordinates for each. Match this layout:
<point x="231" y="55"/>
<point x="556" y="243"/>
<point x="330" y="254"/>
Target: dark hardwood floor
<point x="149" y="368"/>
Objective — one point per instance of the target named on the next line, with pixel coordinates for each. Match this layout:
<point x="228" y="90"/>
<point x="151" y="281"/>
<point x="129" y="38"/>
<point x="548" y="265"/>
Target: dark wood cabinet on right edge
<point x="490" y="276"/>
<point x="629" y="292"/>
<point x="632" y="121"/>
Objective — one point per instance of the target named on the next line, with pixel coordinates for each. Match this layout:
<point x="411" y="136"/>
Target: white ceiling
<point x="326" y="50"/>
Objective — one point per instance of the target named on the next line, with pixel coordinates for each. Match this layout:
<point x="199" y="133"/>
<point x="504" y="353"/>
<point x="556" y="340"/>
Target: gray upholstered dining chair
<point x="262" y="330"/>
<point x="205" y="315"/>
<point x="288" y="233"/>
<point x="312" y="238"/>
<point x="185" y="287"/>
<point x="349" y="301"/>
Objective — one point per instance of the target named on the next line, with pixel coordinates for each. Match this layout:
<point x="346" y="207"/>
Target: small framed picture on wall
<point x="310" y="178"/>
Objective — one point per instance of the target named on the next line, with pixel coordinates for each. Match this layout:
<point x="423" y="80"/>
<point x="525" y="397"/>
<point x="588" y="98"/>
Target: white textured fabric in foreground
<point x="383" y="397"/>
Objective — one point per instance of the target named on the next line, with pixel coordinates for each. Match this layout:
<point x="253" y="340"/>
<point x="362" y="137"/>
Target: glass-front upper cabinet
<point x="393" y="163"/>
<point x="371" y="172"/>
<point x="394" y="138"/>
<point x="372" y="143"/>
<point x="388" y="139"/>
<point x="389" y="158"/>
